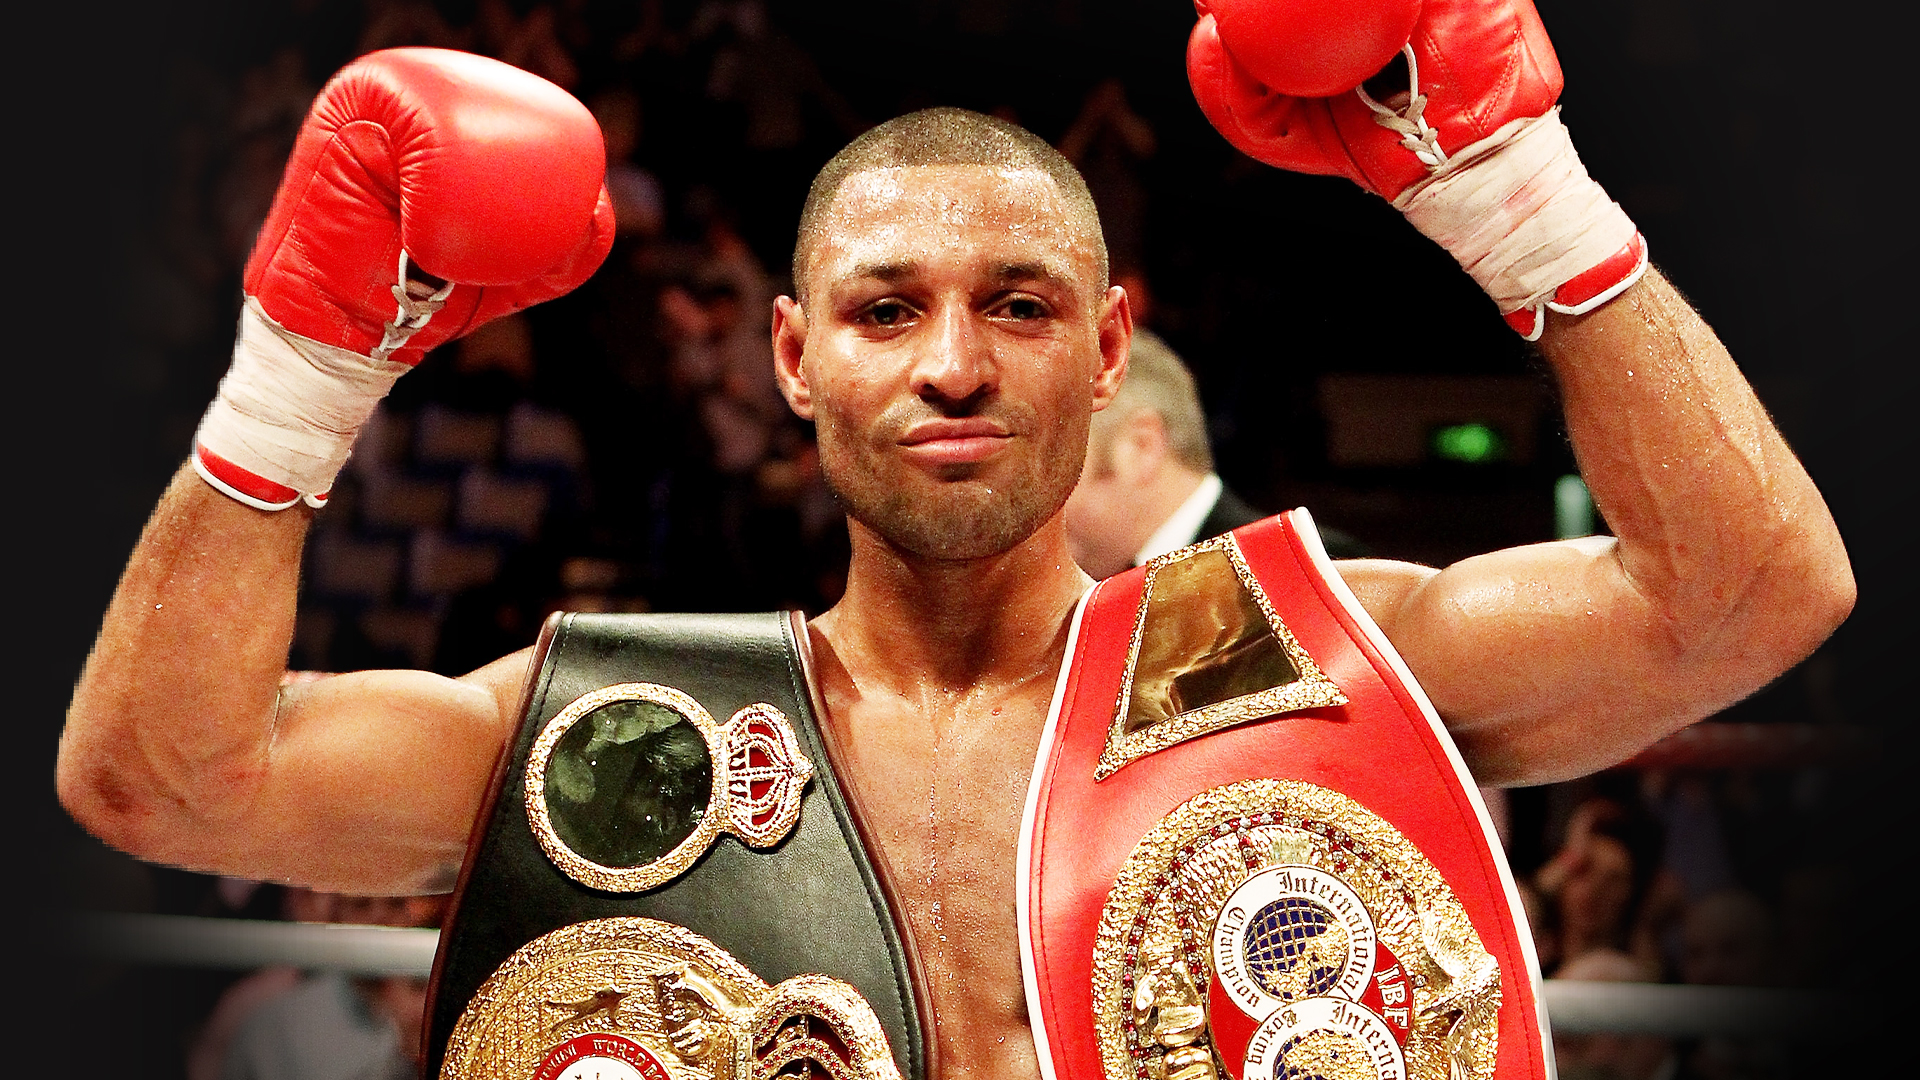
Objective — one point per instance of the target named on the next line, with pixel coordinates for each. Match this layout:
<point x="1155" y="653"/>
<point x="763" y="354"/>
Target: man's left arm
<point x="1725" y="567"/>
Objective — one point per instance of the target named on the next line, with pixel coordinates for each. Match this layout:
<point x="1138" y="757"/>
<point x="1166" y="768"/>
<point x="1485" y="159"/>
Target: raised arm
<point x="1725" y="568"/>
<point x="186" y="742"/>
<point x="1554" y="660"/>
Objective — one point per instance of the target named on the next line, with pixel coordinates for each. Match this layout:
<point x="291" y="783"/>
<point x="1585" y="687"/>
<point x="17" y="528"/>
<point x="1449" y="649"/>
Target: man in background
<point x="1148" y="486"/>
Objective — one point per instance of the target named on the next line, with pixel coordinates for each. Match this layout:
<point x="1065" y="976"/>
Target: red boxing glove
<point x="1313" y="50"/>
<point x="464" y="168"/>
<point x="1473" y="151"/>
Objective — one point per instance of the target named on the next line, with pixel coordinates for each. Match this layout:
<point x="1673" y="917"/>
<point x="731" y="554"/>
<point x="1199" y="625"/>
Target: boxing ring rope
<point x="241" y="944"/>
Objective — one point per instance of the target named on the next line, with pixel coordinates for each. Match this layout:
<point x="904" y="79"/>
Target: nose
<point x="956" y="367"/>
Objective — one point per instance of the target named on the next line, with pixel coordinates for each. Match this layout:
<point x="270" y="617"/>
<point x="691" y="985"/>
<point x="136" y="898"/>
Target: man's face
<point x="954" y="344"/>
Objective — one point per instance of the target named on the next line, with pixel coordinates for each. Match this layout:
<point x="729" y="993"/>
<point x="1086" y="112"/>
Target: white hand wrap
<point x="289" y="407"/>
<point x="1519" y="212"/>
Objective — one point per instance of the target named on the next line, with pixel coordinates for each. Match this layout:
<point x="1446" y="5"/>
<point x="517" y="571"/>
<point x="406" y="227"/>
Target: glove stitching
<point x="1509" y="76"/>
<point x="288" y="235"/>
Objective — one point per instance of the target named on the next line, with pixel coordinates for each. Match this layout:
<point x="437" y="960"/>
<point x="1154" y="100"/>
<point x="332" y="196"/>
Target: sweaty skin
<point x="955" y="346"/>
<point x="955" y="342"/>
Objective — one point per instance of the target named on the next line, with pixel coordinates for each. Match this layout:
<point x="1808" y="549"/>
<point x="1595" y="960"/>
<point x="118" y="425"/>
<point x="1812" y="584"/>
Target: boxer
<point x="953" y="332"/>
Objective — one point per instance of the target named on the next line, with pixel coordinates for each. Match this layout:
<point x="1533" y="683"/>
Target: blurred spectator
<point x="1728" y="940"/>
<point x="207" y="1052"/>
<point x="1597" y="887"/>
<point x="442" y="546"/>
<point x="282" y="1024"/>
<point x="723" y="358"/>
<point x="1696" y="847"/>
<point x="1148" y="485"/>
<point x="1604" y="1055"/>
<point x="1694" y="858"/>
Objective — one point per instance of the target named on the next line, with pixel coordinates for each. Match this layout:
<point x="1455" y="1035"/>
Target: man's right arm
<point x="186" y="745"/>
<point x="429" y="191"/>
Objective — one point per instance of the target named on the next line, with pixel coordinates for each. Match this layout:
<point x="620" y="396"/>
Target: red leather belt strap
<point x="1385" y="749"/>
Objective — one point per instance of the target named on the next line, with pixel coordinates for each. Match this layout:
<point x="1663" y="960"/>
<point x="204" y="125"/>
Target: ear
<point x="789" y="347"/>
<point x="1115" y="330"/>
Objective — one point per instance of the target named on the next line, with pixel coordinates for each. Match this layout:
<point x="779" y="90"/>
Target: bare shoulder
<point x="484" y="701"/>
<point x="505" y="681"/>
<point x="1383" y="586"/>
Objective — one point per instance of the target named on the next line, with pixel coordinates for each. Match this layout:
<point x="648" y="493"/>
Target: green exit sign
<point x="1474" y="443"/>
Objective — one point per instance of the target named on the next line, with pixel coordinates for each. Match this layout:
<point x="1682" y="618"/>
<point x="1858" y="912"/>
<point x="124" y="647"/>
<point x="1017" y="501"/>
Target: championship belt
<point x="665" y="881"/>
<point x="1250" y="847"/>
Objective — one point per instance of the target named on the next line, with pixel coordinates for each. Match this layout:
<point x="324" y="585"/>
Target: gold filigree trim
<point x="766" y="775"/>
<point x="1206" y="622"/>
<point x="1167" y="899"/>
<point x="782" y="1030"/>
<point x="680" y="998"/>
<point x="759" y="777"/>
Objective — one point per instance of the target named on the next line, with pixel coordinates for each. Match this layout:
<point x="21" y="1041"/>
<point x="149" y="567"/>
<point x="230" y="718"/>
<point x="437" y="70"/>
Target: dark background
<point x="1757" y="145"/>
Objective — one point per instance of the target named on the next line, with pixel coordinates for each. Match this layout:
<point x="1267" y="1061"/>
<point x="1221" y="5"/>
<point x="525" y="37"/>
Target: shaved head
<point x="945" y="136"/>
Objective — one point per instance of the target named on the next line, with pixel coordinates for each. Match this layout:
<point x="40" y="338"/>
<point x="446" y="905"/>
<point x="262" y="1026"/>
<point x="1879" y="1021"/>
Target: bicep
<point x="373" y="779"/>
<point x="1544" y="660"/>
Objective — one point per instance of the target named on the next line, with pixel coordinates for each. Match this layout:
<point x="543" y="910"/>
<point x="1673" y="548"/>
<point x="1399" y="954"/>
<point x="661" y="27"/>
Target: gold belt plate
<point x="1273" y="928"/>
<point x="756" y="777"/>
<point x="639" y="999"/>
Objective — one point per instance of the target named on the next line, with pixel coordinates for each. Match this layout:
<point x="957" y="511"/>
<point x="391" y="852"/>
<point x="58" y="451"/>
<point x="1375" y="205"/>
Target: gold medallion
<point x="1208" y="652"/>
<point x="1277" y="928"/>
<point x="629" y="785"/>
<point x="639" y="999"/>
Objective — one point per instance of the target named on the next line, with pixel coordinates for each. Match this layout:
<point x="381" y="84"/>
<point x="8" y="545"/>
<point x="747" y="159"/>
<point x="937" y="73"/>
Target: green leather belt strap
<point x="810" y="904"/>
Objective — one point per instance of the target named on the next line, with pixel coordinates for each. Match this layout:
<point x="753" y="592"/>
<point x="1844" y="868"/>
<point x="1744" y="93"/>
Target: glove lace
<point x="1415" y="134"/>
<point x="413" y="314"/>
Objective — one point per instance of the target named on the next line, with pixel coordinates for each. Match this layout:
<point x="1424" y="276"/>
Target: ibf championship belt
<point x="1251" y="847"/>
<point x="666" y="882"/>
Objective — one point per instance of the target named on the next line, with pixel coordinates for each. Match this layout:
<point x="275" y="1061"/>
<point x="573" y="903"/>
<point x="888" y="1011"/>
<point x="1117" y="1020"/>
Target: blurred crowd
<point x="1701" y="877"/>
<point x="625" y="449"/>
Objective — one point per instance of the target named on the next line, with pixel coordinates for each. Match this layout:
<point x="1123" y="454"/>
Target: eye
<point x="889" y="312"/>
<point x="1023" y="308"/>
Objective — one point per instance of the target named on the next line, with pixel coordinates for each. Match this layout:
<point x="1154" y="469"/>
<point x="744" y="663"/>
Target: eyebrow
<point x="882" y="271"/>
<point x="1003" y="273"/>
<point x="1009" y="273"/>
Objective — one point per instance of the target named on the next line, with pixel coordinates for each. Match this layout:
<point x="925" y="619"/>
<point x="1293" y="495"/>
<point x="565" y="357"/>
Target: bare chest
<point x="943" y="803"/>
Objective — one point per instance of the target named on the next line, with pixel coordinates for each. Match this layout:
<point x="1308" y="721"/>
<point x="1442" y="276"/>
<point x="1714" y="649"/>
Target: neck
<point x="919" y="625"/>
